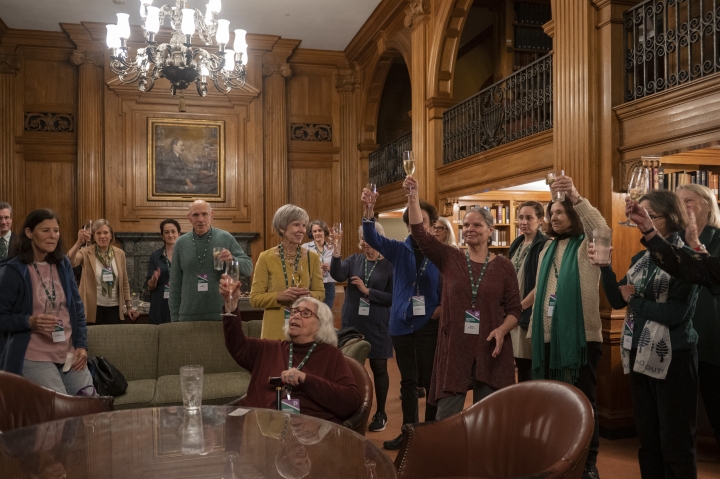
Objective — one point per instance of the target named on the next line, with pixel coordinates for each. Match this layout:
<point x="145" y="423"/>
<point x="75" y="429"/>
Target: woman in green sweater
<point x="659" y="348"/>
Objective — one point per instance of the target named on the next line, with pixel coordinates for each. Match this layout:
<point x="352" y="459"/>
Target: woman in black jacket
<point x="524" y="253"/>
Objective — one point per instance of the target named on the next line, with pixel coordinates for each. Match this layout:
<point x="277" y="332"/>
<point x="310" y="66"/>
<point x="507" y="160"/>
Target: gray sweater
<point x="186" y="302"/>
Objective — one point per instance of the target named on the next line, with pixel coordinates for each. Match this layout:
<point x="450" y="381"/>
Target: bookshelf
<point x="530" y="42"/>
<point x="503" y="205"/>
<point x="699" y="166"/>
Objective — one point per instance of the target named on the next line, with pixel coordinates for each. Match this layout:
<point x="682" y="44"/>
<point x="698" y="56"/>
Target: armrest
<point x="433" y="449"/>
<point x="71" y="406"/>
<point x="358" y="421"/>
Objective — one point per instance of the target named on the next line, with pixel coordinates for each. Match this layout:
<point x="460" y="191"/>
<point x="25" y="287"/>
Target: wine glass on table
<point x="409" y="166"/>
<point x="232" y="270"/>
<point x="638" y="186"/>
<point x="372" y="187"/>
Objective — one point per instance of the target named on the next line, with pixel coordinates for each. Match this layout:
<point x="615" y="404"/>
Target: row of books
<point x="500" y="213"/>
<point x="499" y="238"/>
<point x="532" y="39"/>
<point x="532" y="13"/>
<point x="670" y="181"/>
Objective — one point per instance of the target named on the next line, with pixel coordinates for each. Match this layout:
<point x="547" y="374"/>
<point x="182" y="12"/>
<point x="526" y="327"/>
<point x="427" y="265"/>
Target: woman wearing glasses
<point x="442" y="231"/>
<point x="312" y="368"/>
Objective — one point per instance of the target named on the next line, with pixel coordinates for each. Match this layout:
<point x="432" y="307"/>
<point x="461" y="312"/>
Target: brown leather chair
<point x="24" y="403"/>
<point x="358" y="421"/>
<point x="535" y="429"/>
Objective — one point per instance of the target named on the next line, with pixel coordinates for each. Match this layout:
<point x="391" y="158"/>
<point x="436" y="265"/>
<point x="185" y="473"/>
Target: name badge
<point x="364" y="307"/>
<point x="287" y="317"/>
<point x="58" y="334"/>
<point x="628" y="327"/>
<point x="418" y="304"/>
<point x="290" y="405"/>
<point x="551" y="305"/>
<point x="166" y="293"/>
<point x="472" y="321"/>
<point x="69" y="359"/>
<point x="107" y="275"/>
<point x="202" y="282"/>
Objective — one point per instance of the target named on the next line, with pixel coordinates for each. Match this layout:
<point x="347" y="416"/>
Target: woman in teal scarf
<point x="565" y="327"/>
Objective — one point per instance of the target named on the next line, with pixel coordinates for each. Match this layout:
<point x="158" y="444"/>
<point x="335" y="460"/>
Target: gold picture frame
<point x="186" y="159"/>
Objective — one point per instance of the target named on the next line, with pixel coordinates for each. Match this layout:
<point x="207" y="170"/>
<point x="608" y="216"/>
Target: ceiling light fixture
<point x="178" y="60"/>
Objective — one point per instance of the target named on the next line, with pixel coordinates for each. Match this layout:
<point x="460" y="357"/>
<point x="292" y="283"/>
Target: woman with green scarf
<point x="104" y="286"/>
<point x="565" y="327"/>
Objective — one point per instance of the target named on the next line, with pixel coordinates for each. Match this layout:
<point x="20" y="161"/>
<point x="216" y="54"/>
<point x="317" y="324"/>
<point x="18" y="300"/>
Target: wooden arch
<point x="452" y="15"/>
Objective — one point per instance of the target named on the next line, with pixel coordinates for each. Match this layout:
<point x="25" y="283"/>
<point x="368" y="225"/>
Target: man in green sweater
<point x="193" y="280"/>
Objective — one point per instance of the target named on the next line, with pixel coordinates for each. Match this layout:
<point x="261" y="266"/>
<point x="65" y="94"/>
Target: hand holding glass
<point x="232" y="270"/>
<point x="637" y="187"/>
<point x="556" y="195"/>
<point x="372" y="187"/>
<point x="409" y="166"/>
<point x="217" y="263"/>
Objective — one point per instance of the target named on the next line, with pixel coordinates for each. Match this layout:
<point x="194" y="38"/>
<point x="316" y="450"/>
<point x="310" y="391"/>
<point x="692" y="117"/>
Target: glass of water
<point x="191" y="384"/>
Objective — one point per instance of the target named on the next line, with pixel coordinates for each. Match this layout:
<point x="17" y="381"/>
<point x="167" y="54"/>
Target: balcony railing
<point x="386" y="162"/>
<point x="668" y="43"/>
<point x="517" y="106"/>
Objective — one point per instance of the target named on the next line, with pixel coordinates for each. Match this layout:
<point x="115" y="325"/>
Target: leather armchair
<point x="535" y="429"/>
<point x="358" y="422"/>
<point x="24" y="403"/>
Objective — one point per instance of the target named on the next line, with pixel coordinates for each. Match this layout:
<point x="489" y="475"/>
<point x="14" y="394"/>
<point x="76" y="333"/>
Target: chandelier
<point x="178" y="60"/>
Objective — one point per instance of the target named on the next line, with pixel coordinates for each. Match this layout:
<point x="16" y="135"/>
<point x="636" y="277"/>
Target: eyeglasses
<point x="439" y="228"/>
<point x="305" y="313"/>
<point x="655" y="217"/>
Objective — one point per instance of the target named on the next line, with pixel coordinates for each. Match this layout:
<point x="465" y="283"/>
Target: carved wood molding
<point x="96" y="58"/>
<point x="282" y="69"/>
<point x="9" y="64"/>
<point x="626" y="169"/>
<point x="54" y="122"/>
<point x="418" y="8"/>
<point x="348" y="79"/>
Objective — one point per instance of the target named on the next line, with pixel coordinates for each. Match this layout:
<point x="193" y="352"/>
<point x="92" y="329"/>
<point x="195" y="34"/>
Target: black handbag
<point x="108" y="381"/>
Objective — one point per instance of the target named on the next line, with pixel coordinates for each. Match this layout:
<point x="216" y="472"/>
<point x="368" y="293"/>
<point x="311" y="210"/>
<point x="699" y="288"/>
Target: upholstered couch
<point x="150" y="356"/>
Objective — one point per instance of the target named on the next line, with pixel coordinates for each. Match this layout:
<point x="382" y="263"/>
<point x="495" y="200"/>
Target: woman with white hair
<point x="285" y="273"/>
<point x="367" y="308"/>
<point x="311" y="367"/>
<point x="442" y="230"/>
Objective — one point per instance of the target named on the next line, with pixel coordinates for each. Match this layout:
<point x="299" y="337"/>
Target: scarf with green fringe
<point x="568" y="349"/>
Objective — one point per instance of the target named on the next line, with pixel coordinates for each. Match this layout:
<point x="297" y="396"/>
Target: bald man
<point x="194" y="282"/>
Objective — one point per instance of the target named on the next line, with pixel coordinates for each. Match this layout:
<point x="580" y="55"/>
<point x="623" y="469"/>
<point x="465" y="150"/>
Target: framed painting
<point x="186" y="159"/>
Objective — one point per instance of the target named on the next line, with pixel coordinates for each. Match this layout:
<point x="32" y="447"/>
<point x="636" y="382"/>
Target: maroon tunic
<point x="329" y="391"/>
<point x="498" y="297"/>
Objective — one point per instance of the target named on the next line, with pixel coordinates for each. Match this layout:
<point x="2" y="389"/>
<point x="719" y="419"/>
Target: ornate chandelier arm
<point x="206" y="30"/>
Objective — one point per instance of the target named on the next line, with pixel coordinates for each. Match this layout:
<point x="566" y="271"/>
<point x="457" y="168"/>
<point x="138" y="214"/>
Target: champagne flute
<point x="88" y="227"/>
<point x="637" y="187"/>
<point x="373" y="189"/>
<point x="232" y="269"/>
<point x="296" y="276"/>
<point x="409" y="166"/>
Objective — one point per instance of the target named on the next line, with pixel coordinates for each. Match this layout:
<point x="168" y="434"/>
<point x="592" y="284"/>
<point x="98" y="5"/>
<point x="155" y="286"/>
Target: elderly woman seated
<point x="315" y="373"/>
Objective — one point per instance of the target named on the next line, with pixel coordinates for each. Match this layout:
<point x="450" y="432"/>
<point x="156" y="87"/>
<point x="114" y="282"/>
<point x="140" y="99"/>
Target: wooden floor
<point x="616" y="460"/>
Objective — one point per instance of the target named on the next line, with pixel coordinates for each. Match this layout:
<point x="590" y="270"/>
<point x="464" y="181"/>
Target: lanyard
<point x="42" y="282"/>
<point x="367" y="276"/>
<point x="281" y="250"/>
<point x="645" y="280"/>
<point x="519" y="259"/>
<point x="167" y="260"/>
<point x="201" y="261"/>
<point x="302" y="363"/>
<point x="475" y="285"/>
<point x="418" y="275"/>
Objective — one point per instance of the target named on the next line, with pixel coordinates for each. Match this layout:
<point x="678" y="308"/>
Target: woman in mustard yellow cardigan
<point x="285" y="272"/>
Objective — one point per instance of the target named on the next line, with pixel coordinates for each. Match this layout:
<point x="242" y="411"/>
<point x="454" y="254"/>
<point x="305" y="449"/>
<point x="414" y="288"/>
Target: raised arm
<point x="245" y="351"/>
<point x="433" y="249"/>
<point x="74" y="252"/>
<point x="340" y="268"/>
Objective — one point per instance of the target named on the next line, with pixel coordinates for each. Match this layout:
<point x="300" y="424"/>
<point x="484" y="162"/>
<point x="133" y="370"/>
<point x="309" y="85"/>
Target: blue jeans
<point x="51" y="375"/>
<point x="329" y="294"/>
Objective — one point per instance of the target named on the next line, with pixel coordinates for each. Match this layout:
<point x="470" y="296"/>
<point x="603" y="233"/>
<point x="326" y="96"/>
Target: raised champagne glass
<point x="637" y="187"/>
<point x="409" y="166"/>
<point x="372" y="187"/>
<point x="232" y="269"/>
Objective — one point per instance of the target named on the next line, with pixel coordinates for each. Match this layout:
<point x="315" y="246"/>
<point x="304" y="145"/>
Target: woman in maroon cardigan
<point x="317" y="375"/>
<point x="480" y="306"/>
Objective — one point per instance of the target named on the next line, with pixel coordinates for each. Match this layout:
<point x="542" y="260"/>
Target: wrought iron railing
<point x="386" y="164"/>
<point x="668" y="43"/>
<point x="517" y="106"/>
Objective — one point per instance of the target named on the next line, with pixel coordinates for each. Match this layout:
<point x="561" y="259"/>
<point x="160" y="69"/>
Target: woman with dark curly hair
<point x="158" y="277"/>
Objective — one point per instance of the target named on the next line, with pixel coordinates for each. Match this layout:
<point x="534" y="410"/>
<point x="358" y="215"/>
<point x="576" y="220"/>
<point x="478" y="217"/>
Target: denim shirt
<point x="402" y="256"/>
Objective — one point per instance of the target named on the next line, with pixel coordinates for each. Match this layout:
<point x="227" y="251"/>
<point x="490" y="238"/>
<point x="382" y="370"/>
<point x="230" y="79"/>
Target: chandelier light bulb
<point x="152" y="22"/>
<point x="208" y="14"/>
<point x="214" y="6"/>
<point x="229" y="61"/>
<point x="244" y="57"/>
<point x="112" y="39"/>
<point x="188" y="21"/>
<point x="223" y="32"/>
<point x="123" y="25"/>
<point x="239" y="40"/>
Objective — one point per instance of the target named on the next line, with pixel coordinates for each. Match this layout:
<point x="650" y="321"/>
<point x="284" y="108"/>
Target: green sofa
<point x="150" y="356"/>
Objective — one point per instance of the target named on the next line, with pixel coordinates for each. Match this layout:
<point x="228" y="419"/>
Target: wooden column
<point x="90" y="169"/>
<point x="436" y="106"/>
<point x="353" y="170"/>
<point x="417" y="18"/>
<point x="8" y="128"/>
<point x="275" y="71"/>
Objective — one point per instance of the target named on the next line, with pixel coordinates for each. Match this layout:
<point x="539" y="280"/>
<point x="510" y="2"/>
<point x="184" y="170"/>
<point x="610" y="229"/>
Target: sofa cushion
<point x="193" y="342"/>
<point x="218" y="388"/>
<point x="139" y="393"/>
<point x="252" y="329"/>
<point x="131" y="348"/>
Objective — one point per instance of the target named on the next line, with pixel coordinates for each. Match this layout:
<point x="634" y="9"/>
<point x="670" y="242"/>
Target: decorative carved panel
<point x="310" y="132"/>
<point x="55" y="122"/>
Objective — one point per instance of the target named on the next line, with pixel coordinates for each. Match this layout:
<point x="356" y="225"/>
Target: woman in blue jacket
<point x="42" y="319"/>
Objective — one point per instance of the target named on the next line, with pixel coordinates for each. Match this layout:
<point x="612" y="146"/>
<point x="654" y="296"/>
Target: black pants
<point x="587" y="383"/>
<point x="416" y="352"/>
<point x="107" y="315"/>
<point x="709" y="376"/>
<point x="524" y="369"/>
<point x="665" y="418"/>
<point x="381" y="380"/>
